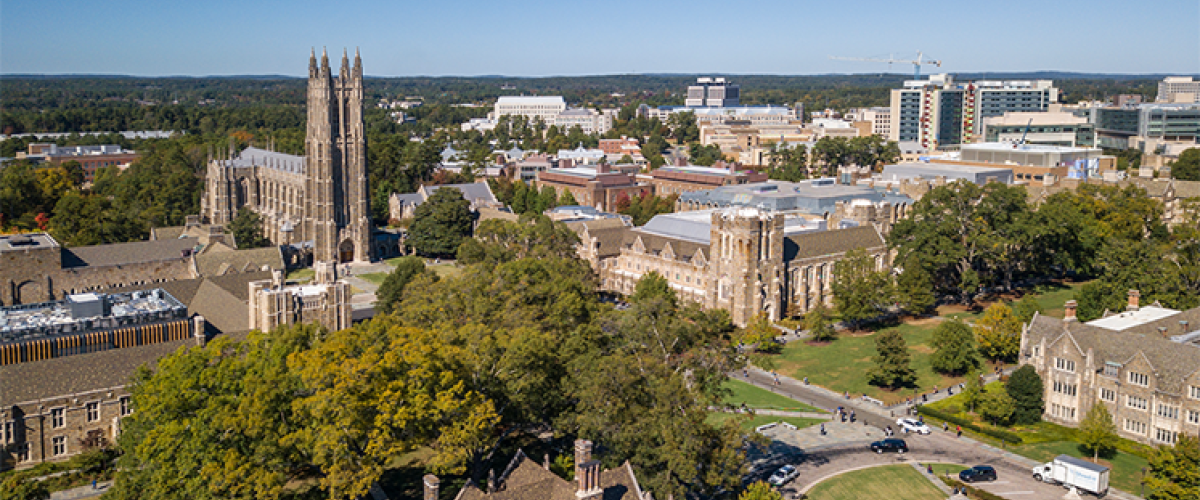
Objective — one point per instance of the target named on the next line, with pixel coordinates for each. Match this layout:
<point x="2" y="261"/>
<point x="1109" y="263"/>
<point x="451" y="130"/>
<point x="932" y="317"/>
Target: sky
<point x="549" y="38"/>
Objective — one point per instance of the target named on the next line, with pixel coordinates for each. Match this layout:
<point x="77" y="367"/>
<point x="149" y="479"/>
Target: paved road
<point x="1015" y="480"/>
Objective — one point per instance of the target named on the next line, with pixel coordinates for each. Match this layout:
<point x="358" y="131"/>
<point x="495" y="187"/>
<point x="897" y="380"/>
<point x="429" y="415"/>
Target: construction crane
<point x="915" y="62"/>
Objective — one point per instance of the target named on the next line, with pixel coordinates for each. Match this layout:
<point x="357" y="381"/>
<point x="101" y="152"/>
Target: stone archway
<point x="29" y="292"/>
<point x="346" y="251"/>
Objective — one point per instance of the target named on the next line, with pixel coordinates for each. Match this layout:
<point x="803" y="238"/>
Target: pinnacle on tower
<point x="312" y="61"/>
<point x="324" y="60"/>
<point x="345" y="71"/>
<point x="357" y="64"/>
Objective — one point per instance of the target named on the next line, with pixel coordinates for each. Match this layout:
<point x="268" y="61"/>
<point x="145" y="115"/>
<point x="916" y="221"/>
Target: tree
<point x="819" y="325"/>
<point x="247" y="229"/>
<point x="891" y="368"/>
<point x="955" y="352"/>
<point x="860" y="292"/>
<point x="568" y="199"/>
<point x="1175" y="470"/>
<point x="441" y="223"/>
<point x="998" y="333"/>
<point x="914" y="288"/>
<point x="1187" y="167"/>
<point x="996" y="407"/>
<point x="17" y="487"/>
<point x="973" y="390"/>
<point x="653" y="286"/>
<point x="761" y="334"/>
<point x="699" y="154"/>
<point x="1097" y="432"/>
<point x="1026" y="389"/>
<point x="392" y="289"/>
<point x="760" y="490"/>
<point x="1025" y="308"/>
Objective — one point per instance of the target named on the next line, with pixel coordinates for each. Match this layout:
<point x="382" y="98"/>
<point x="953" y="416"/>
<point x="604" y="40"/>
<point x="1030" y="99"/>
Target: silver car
<point x="913" y="426"/>
<point x="783" y="475"/>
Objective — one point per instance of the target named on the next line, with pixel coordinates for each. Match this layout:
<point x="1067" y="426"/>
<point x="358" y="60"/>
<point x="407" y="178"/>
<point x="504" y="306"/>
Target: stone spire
<point x="312" y="62"/>
<point x="358" y="72"/>
<point x="345" y="71"/>
<point x="324" y="61"/>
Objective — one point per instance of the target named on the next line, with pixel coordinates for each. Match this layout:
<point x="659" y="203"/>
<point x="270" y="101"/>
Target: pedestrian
<point x="822" y="429"/>
<point x="929" y="468"/>
<point x="805" y="380"/>
<point x="958" y="431"/>
<point x="950" y="390"/>
<point x="945" y="428"/>
<point x="777" y="380"/>
<point x="745" y="373"/>
<point x="93" y="483"/>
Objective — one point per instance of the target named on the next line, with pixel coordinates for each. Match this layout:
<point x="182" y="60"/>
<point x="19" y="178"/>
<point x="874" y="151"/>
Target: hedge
<point x="1002" y="435"/>
<point x="972" y="491"/>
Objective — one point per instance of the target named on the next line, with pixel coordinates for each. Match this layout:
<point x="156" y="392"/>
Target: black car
<point x="897" y="445"/>
<point x="978" y="473"/>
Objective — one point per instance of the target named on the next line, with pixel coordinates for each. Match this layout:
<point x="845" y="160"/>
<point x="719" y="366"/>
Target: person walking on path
<point x="958" y="429"/>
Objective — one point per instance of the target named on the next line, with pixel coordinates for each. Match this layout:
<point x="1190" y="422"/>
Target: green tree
<point x="914" y="288"/>
<point x="1175" y="470"/>
<point x="441" y="223"/>
<point x="17" y="487"/>
<point x="997" y="407"/>
<point x="1097" y="432"/>
<point x="391" y="291"/>
<point x="1025" y="308"/>
<point x="760" y="490"/>
<point x="973" y="391"/>
<point x="1026" y="390"/>
<point x="998" y="332"/>
<point x="891" y="361"/>
<point x="568" y="199"/>
<point x="247" y="229"/>
<point x="955" y="351"/>
<point x="861" y="293"/>
<point x="787" y="163"/>
<point x="653" y="286"/>
<point x="761" y="333"/>
<point x="699" y="154"/>
<point x="1187" y="167"/>
<point x="497" y="241"/>
<point x="819" y="324"/>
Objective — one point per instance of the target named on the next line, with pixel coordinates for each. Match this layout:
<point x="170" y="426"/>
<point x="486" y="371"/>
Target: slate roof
<point x="822" y="243"/>
<point x="610" y="240"/>
<point x="1173" y="362"/>
<point x="219" y="259"/>
<point x="684" y="250"/>
<point x="127" y="253"/>
<point x="526" y="480"/>
<point x="80" y="373"/>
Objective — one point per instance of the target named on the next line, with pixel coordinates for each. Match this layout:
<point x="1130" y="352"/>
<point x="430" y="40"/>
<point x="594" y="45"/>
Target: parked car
<point x="897" y="445"/>
<point x="978" y="473"/>
<point x="783" y="475"/>
<point x="913" y="426"/>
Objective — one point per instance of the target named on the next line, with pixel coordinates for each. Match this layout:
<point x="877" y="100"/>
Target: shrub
<point x="999" y="434"/>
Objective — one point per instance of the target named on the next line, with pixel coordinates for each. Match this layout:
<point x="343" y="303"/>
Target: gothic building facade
<point x="321" y="197"/>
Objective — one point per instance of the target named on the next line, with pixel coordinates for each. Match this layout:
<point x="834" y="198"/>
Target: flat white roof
<point x="1032" y="148"/>
<point x="521" y="99"/>
<point x="1130" y="319"/>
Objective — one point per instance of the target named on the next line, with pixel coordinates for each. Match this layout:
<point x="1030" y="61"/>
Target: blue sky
<point x="540" y="38"/>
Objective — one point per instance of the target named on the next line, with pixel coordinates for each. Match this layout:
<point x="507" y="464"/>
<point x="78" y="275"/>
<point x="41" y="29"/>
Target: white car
<point x="913" y="426"/>
<point x="783" y="475"/>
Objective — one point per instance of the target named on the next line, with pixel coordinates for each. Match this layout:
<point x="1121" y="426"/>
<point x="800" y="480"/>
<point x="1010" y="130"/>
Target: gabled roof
<point x="1174" y="361"/>
<point x="526" y="480"/>
<point x="821" y="243"/>
<point x="137" y="252"/>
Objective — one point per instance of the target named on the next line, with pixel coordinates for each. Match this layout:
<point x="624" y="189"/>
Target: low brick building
<point x="597" y="186"/>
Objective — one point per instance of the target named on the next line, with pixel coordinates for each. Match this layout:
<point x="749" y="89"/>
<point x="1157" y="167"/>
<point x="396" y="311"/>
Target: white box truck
<point x="1070" y="471"/>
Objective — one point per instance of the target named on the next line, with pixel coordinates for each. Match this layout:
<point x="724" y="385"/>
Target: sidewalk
<point x="82" y="492"/>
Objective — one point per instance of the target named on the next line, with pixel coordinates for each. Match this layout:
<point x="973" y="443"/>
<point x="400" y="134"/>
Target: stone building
<point x="597" y="186"/>
<point x="525" y="478"/>
<point x="1143" y="363"/>
<point x="742" y="259"/>
<point x="273" y="303"/>
<point x="320" y="197"/>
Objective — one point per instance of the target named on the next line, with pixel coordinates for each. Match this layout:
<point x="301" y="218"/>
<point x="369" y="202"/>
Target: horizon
<point x="608" y="75"/>
<point x="540" y="39"/>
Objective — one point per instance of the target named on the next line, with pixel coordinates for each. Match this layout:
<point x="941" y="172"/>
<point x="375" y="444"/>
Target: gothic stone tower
<point x="338" y="215"/>
<point x="746" y="252"/>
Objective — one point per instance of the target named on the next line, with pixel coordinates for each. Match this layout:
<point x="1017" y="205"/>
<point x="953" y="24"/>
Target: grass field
<point x="944" y="469"/>
<point x="1126" y="469"/>
<point x="842" y="365"/>
<point x="375" y="278"/>
<point x="893" y="482"/>
<point x="301" y="275"/>
<point x="762" y="399"/>
<point x="717" y="417"/>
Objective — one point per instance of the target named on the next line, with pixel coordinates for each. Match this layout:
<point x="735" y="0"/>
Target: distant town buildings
<point x="91" y="158"/>
<point x="713" y="93"/>
<point x="551" y="110"/>
<point x="941" y="112"/>
<point x="1178" y="89"/>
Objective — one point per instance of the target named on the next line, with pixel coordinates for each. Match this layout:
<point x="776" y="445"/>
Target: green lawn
<point x="750" y="423"/>
<point x="301" y="275"/>
<point x="842" y="365"/>
<point x="944" y="469"/>
<point x="761" y="399"/>
<point x="375" y="278"/>
<point x="1126" y="469"/>
<point x="1050" y="296"/>
<point x="893" y="482"/>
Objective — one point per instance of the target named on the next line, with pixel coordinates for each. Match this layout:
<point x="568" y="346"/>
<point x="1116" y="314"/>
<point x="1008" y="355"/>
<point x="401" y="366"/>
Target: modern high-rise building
<point x="1178" y="89"/>
<point x="714" y="93"/>
<point x="940" y="112"/>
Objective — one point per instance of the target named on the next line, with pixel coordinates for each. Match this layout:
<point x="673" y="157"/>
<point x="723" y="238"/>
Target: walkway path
<point x="815" y="462"/>
<point x="82" y="492"/>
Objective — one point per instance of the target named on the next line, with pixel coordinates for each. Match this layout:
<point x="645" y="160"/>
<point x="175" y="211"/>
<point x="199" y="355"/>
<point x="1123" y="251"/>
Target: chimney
<point x="546" y="461"/>
<point x="681" y="162"/>
<point x="432" y="484"/>
<point x="1070" y="307"/>
<point x="602" y="168"/>
<point x="587" y="471"/>
<point x="198" y="327"/>
<point x="1134" y="295"/>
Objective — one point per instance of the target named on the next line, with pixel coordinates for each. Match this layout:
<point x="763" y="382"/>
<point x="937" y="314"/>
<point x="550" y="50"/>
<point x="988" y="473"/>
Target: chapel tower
<point x="338" y="216"/>
<point x="746" y="252"/>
